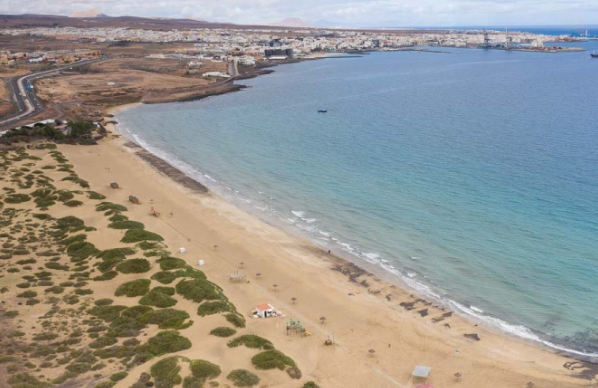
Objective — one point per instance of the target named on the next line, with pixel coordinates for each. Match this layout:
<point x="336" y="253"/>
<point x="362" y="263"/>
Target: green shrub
<point x="166" y="372"/>
<point x="27" y="294"/>
<point x="73" y="239"/>
<point x="164" y="277"/>
<point x="214" y="307"/>
<point x="243" y="378"/>
<point x="74" y="178"/>
<point x="42" y="216"/>
<point x="168" y="341"/>
<point x="80" y="251"/>
<point x="138" y="287"/>
<point x="65" y="195"/>
<point x="118" y="218"/>
<point x="236" y="319"/>
<point x="94" y="195"/>
<point x="271" y="359"/>
<point x="223" y="332"/>
<point x="133" y="266"/>
<point x="107" y="313"/>
<point x="251" y="341"/>
<point x="57" y="266"/>
<point x="103" y="302"/>
<point x="158" y="297"/>
<point x="126" y="225"/>
<point x="145" y="245"/>
<point x="204" y="370"/>
<point x="198" y="290"/>
<point x="45" y="337"/>
<point x="55" y="290"/>
<point x="115" y="352"/>
<point x="73" y="203"/>
<point x="25" y="380"/>
<point x="83" y="291"/>
<point x="310" y="384"/>
<point x="116" y="253"/>
<point x="167" y="318"/>
<point x="137" y="235"/>
<point x="118" y="376"/>
<point x="109" y="206"/>
<point x="27" y="261"/>
<point x="106" y="276"/>
<point x="17" y="198"/>
<point x="138" y="312"/>
<point x="168" y="263"/>
<point x="102" y="342"/>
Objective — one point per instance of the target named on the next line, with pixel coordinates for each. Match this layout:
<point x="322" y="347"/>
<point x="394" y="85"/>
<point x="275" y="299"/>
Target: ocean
<point x="471" y="177"/>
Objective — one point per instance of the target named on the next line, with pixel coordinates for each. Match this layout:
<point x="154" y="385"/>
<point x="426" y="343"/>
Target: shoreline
<point x="352" y="264"/>
<point x="465" y="311"/>
<point x="354" y="276"/>
<point x="349" y="268"/>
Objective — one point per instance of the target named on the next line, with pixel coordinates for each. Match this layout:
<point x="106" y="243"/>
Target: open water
<point x="470" y="176"/>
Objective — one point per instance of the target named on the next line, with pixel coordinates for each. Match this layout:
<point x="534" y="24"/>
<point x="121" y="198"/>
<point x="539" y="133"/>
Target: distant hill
<point x="92" y="13"/>
<point x="104" y="21"/>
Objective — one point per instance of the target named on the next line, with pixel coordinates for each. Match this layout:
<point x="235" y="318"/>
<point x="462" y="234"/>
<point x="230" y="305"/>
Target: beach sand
<point x="361" y="311"/>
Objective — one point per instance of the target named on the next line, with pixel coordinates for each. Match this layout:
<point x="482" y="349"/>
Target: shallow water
<point x="473" y="175"/>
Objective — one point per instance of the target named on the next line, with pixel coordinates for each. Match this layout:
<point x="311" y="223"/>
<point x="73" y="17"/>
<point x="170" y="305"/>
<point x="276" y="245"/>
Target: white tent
<point x="421" y="371"/>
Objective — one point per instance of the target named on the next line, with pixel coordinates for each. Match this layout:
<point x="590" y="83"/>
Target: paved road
<point x="27" y="102"/>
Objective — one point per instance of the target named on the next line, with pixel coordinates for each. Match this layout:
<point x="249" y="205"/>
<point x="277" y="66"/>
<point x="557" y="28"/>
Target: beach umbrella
<point x="322" y="319"/>
<point x="293" y="299"/>
<point x="371" y="352"/>
<point x="275" y="286"/>
<point x="257" y="275"/>
<point x="241" y="264"/>
<point x="458" y="376"/>
<point x="530" y="384"/>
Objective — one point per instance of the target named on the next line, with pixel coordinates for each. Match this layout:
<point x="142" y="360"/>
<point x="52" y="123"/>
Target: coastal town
<point x="250" y="45"/>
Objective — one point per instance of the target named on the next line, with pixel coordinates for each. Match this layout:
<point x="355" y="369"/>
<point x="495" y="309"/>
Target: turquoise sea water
<point x="470" y="176"/>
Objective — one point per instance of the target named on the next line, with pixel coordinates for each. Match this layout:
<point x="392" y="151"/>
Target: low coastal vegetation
<point x="97" y="311"/>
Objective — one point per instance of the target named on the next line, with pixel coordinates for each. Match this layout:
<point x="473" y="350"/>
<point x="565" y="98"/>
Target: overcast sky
<point x="374" y="13"/>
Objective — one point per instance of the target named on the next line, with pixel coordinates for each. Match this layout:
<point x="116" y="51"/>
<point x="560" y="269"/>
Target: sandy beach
<point x="380" y="331"/>
<point x="361" y="311"/>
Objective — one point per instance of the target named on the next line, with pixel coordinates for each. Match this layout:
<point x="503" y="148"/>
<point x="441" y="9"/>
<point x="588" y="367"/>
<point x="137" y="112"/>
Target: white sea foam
<point x="323" y="233"/>
<point x="411" y="274"/>
<point x="517" y="330"/>
<point x="476" y="309"/>
<point x="373" y="258"/>
<point x="298" y="213"/>
<point x="309" y="220"/>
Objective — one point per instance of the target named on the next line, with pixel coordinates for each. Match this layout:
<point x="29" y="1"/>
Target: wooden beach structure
<point x="114" y="185"/>
<point x="134" y="199"/>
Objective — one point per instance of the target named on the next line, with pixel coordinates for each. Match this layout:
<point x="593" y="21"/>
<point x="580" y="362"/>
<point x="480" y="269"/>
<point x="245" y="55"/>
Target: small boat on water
<point x="594" y="55"/>
<point x="322" y="110"/>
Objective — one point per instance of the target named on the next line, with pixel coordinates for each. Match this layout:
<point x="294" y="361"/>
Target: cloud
<point x="350" y="12"/>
